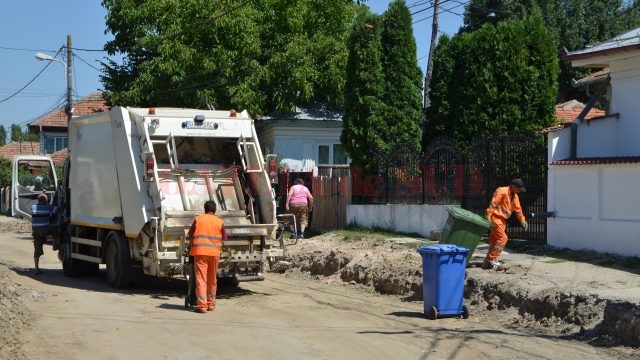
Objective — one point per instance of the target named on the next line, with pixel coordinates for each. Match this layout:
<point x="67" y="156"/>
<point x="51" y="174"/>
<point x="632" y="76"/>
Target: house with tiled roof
<point x="303" y="136"/>
<point x="19" y="148"/>
<point x="594" y="162"/>
<point x="568" y="112"/>
<point x="52" y="127"/>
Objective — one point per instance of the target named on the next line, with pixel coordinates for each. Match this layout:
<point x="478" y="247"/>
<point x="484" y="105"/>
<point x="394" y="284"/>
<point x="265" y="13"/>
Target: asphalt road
<point x="279" y="318"/>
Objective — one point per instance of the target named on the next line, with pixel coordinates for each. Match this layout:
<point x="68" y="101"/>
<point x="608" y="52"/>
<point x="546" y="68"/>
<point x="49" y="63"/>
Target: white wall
<point x="421" y="219"/>
<point x="625" y="85"/>
<point x="299" y="143"/>
<point x="559" y="144"/>
<point x="596" y="208"/>
<point x="598" y="138"/>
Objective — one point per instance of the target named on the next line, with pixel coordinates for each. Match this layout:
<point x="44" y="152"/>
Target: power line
<point x="22" y="49"/>
<point x="84" y="61"/>
<point x="444" y="9"/>
<point x="58" y="103"/>
<point x="29" y="83"/>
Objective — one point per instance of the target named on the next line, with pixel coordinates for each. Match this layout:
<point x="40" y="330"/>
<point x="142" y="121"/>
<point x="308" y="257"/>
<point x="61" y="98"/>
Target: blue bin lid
<point x="442" y="248"/>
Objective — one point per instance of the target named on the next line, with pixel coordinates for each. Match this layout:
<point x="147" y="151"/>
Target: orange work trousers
<point x="497" y="239"/>
<point x="206" y="268"/>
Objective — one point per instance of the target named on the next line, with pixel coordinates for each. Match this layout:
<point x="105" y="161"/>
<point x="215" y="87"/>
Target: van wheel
<point x="118" y="260"/>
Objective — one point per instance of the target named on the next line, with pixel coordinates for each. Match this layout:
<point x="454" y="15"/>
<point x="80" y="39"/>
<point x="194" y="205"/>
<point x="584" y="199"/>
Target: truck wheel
<point x="118" y="260"/>
<point x="70" y="267"/>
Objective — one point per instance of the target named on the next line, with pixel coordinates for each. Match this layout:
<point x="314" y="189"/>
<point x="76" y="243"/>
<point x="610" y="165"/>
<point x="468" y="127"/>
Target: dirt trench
<point x="14" y="316"/>
<point x="391" y="270"/>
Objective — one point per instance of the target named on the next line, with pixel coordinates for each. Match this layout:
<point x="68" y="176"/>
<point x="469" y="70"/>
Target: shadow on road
<point x="155" y="288"/>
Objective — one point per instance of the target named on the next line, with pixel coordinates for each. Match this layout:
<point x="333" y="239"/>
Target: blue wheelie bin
<point x="443" y="269"/>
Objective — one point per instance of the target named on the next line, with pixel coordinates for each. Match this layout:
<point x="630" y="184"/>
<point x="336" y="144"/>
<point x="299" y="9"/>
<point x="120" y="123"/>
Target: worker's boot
<point x="492" y="265"/>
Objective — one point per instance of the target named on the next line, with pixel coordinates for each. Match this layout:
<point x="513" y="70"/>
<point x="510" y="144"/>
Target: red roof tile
<point x="19" y="148"/>
<point x="59" y="156"/>
<point x="89" y="104"/>
<point x="569" y="111"/>
<point x="599" y="160"/>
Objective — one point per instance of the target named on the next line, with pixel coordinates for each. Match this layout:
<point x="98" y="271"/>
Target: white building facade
<point x="594" y="171"/>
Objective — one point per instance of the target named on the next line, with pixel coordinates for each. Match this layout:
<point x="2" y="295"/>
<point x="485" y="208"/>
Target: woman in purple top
<point x="299" y="203"/>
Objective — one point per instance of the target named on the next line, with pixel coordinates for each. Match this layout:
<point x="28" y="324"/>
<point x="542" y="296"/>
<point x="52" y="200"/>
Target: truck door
<point x="31" y="175"/>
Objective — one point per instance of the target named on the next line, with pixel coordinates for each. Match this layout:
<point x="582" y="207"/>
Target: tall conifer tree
<point x="403" y="78"/>
<point x="362" y="136"/>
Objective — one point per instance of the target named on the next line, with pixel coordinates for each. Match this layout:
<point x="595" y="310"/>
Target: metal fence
<point x="446" y="174"/>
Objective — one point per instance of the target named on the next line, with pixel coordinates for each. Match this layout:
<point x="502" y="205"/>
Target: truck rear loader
<point x="135" y="179"/>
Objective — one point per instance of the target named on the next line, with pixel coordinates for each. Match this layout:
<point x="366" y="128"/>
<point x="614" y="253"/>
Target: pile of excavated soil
<point x="10" y="224"/>
<point x="514" y="298"/>
<point x="14" y="316"/>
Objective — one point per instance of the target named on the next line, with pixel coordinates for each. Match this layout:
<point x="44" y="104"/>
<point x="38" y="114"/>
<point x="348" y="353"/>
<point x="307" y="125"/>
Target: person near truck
<point x="299" y="203"/>
<point x="206" y="235"/>
<point x="41" y="227"/>
<point x="505" y="202"/>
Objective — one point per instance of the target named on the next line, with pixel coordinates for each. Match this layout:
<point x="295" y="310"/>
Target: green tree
<point x="364" y="89"/>
<point x="18" y="135"/>
<point x="572" y="24"/>
<point x="16" y="132"/>
<point x="5" y="172"/>
<point x="3" y="135"/>
<point x="497" y="79"/>
<point x="403" y="78"/>
<point x="260" y="55"/>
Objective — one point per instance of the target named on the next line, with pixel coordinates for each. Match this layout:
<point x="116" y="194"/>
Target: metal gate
<point x="446" y="174"/>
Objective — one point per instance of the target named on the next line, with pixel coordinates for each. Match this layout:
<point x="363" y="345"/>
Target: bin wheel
<point x="433" y="313"/>
<point x="465" y="312"/>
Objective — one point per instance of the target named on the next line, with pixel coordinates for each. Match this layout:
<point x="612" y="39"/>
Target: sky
<point x="33" y="26"/>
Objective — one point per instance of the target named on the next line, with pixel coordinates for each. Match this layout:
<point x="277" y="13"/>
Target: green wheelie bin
<point x="464" y="228"/>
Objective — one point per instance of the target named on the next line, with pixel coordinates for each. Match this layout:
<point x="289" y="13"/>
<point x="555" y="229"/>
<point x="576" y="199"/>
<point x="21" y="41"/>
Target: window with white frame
<point x="55" y="143"/>
<point x="323" y="154"/>
<point x="331" y="154"/>
<point x="339" y="156"/>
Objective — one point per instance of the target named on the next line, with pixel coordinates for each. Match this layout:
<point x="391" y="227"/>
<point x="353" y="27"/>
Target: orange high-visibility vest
<point x="206" y="239"/>
<point x="503" y="204"/>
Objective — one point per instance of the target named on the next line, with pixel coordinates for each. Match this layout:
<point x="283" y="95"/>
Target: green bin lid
<point x="462" y="214"/>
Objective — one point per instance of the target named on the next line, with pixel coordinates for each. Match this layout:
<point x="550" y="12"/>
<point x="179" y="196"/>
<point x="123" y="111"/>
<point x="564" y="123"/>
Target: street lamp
<point x="67" y="70"/>
<point x="44" y="57"/>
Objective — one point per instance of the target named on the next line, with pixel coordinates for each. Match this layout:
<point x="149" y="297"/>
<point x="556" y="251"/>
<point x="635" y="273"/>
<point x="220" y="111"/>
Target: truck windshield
<point x="200" y="150"/>
<point x="36" y="175"/>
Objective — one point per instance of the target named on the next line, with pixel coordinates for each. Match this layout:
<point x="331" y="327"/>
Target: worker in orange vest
<point x="505" y="202"/>
<point x="206" y="236"/>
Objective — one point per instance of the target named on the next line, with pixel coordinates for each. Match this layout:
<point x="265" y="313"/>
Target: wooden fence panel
<point x="331" y="196"/>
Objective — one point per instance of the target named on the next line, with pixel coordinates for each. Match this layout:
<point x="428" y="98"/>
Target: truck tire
<point x="118" y="260"/>
<point x="70" y="267"/>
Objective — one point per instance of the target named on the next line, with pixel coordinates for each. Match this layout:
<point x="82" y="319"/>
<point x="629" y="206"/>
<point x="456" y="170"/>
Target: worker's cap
<point x="43" y="197"/>
<point x="519" y="184"/>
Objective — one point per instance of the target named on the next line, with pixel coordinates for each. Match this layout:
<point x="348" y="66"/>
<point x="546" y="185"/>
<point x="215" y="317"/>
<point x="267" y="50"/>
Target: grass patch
<point x="354" y="233"/>
<point x="555" y="261"/>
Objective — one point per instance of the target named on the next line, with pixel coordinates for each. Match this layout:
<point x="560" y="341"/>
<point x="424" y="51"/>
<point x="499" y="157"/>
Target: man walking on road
<point x="505" y="202"/>
<point x="41" y="227"/>
<point x="206" y="236"/>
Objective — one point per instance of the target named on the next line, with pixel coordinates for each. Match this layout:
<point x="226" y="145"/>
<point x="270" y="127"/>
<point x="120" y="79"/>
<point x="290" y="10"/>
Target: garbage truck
<point x="136" y="177"/>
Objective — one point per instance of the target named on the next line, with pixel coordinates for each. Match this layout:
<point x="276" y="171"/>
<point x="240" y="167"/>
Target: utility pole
<point x="69" y="79"/>
<point x="434" y="40"/>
